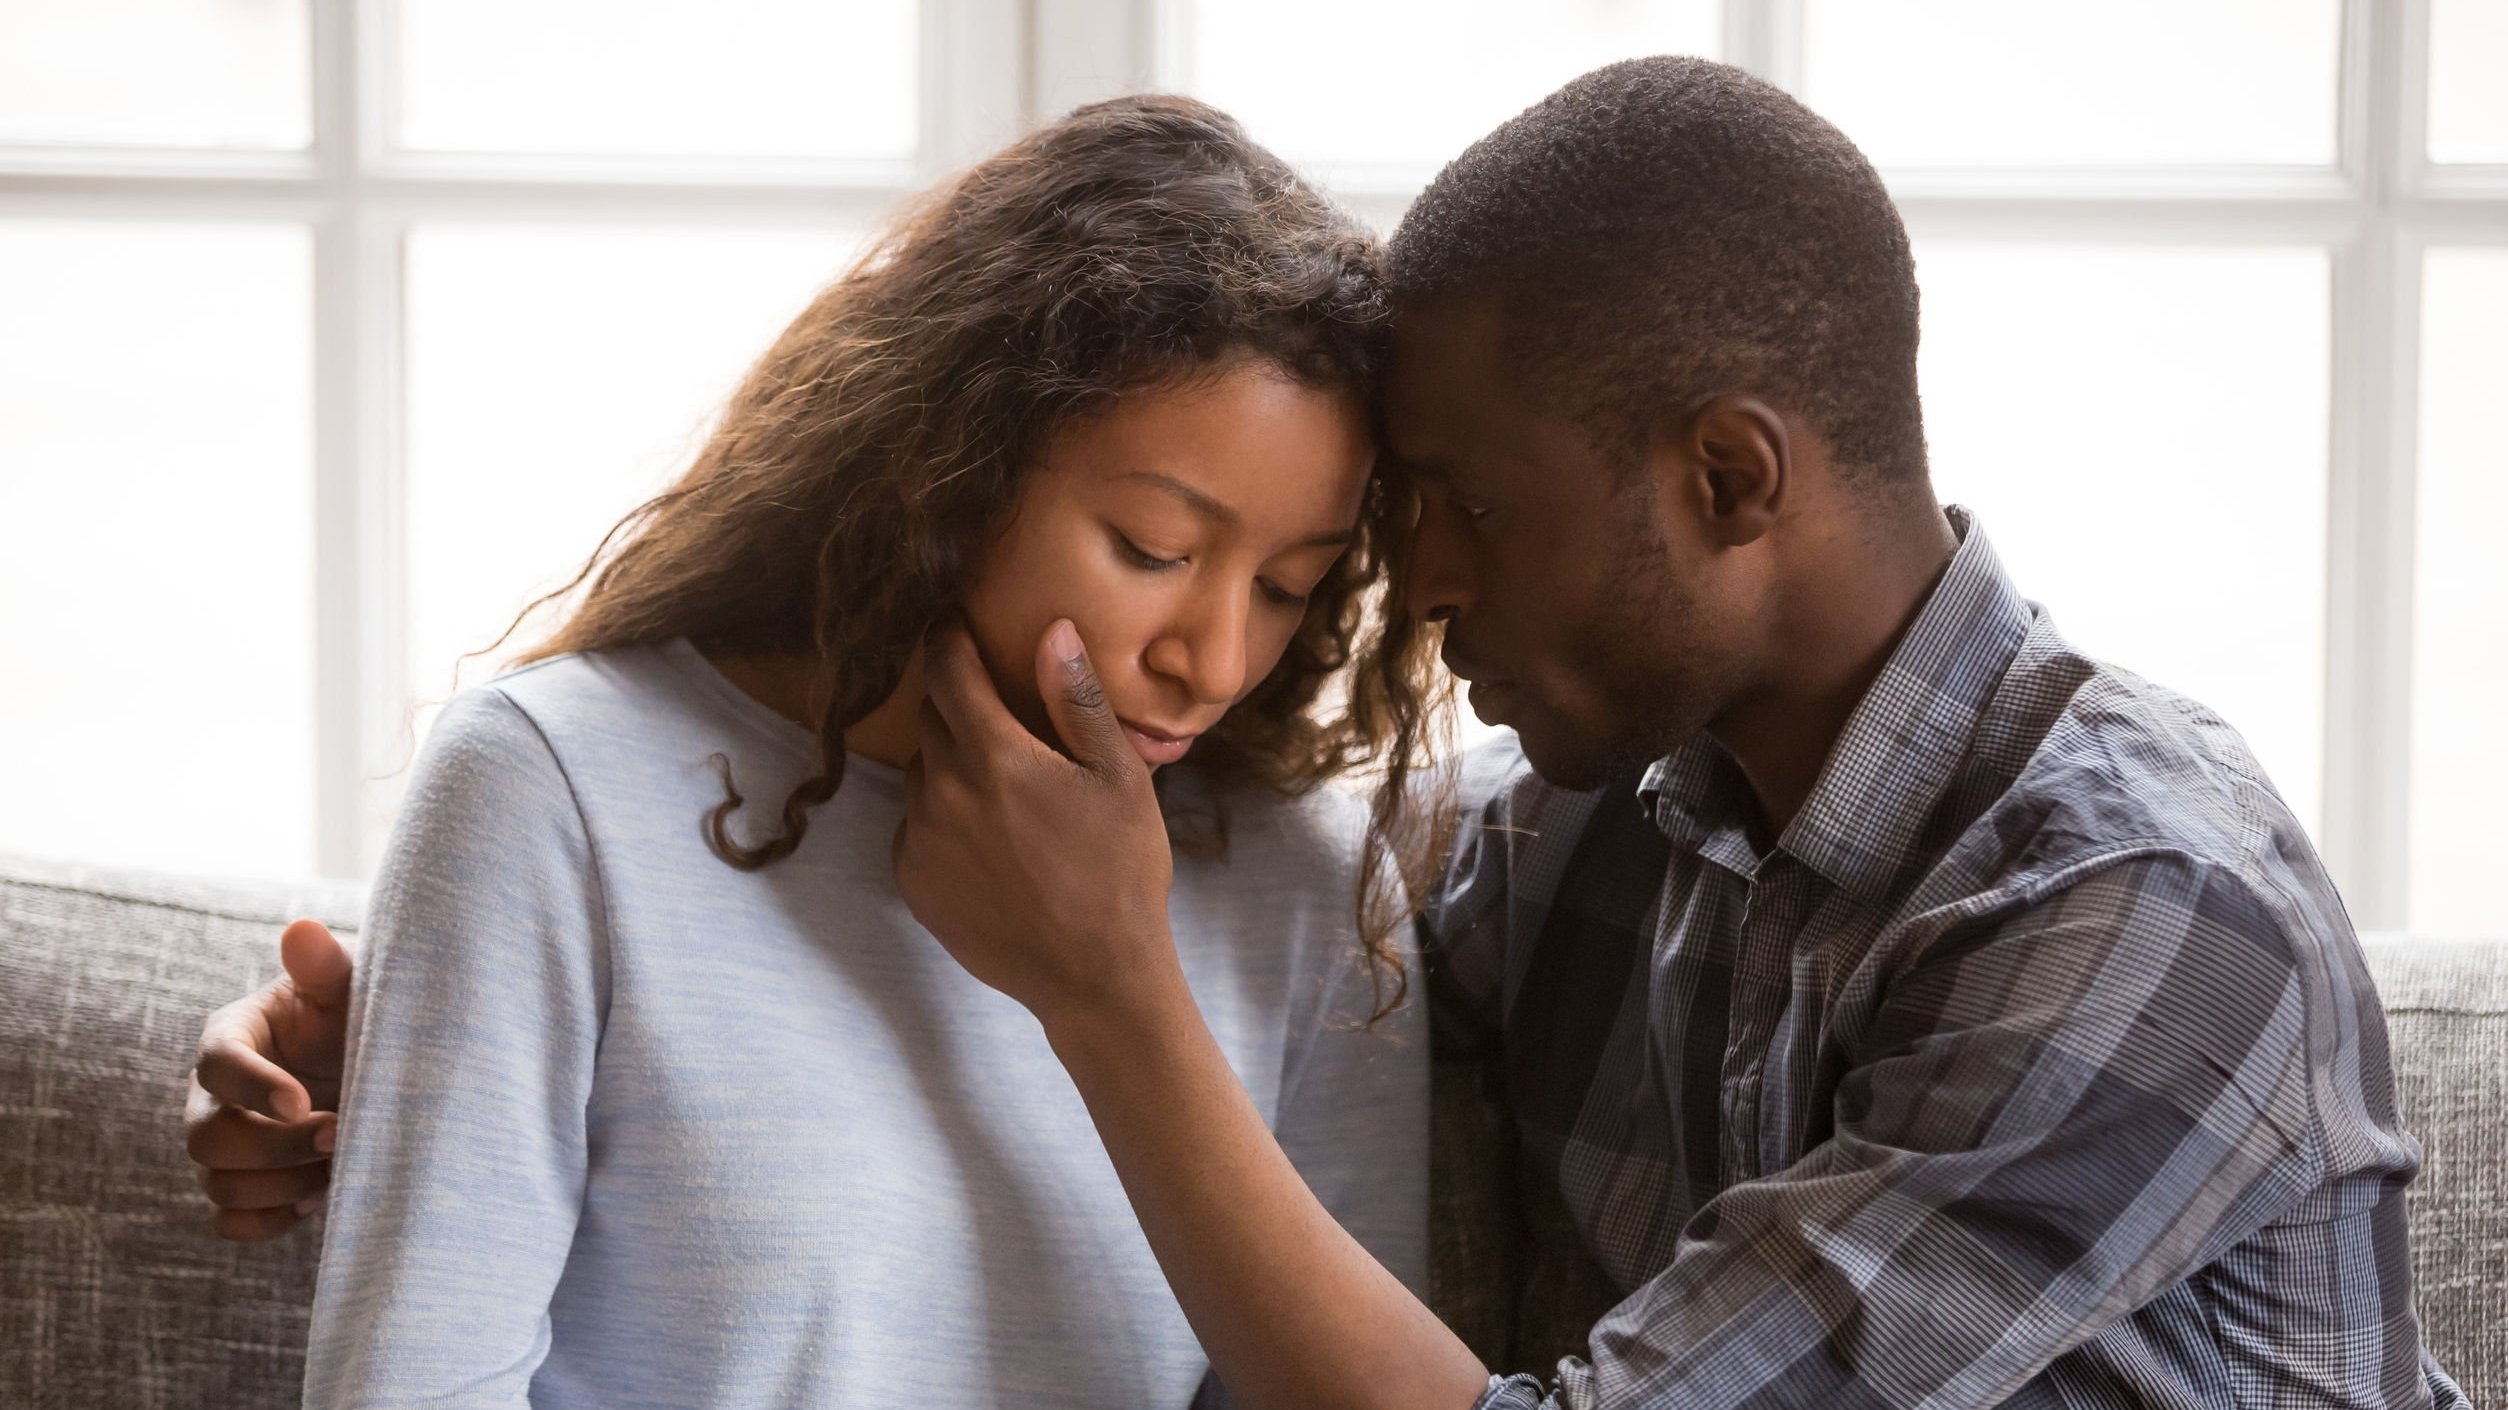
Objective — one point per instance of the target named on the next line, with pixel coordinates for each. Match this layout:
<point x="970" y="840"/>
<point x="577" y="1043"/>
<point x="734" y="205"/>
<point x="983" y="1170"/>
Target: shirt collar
<point x="1898" y="754"/>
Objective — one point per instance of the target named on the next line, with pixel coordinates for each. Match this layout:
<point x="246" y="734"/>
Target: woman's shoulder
<point x="598" y="686"/>
<point x="638" y="703"/>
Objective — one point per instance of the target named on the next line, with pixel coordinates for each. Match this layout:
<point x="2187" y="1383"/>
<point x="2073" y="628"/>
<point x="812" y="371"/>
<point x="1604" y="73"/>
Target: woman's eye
<point x="1142" y="558"/>
<point x="1282" y="597"/>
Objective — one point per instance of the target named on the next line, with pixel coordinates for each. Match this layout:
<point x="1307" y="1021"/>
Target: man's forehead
<point x="1441" y="375"/>
<point x="1428" y="331"/>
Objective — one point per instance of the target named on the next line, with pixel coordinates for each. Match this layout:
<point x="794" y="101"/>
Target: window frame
<point x="993" y="67"/>
<point x="2376" y="212"/>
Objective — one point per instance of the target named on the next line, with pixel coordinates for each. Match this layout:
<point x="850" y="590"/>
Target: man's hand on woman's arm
<point x="265" y="1093"/>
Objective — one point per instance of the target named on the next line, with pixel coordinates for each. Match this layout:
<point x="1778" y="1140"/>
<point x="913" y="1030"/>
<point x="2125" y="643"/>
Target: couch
<point x="114" y="1294"/>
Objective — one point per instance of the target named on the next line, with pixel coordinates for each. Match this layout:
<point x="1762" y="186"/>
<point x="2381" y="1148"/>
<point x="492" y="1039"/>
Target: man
<point x="1909" y="1010"/>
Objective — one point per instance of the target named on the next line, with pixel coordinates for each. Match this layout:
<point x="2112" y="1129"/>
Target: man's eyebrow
<point x="1222" y="513"/>
<point x="1436" y="471"/>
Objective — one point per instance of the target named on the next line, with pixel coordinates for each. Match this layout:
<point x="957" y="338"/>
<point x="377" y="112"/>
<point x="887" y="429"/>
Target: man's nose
<point x="1439" y="585"/>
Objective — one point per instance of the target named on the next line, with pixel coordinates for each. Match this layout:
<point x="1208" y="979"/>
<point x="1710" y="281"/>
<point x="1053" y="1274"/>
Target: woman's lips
<point x="1156" y="746"/>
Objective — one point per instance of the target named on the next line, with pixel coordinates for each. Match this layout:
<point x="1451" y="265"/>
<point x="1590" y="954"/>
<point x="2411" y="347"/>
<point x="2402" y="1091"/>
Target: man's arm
<point x="1047" y="878"/>
<point x="2057" y="1116"/>
<point x="263" y="1110"/>
<point x="1290" y="1308"/>
<point x="2065" y="1114"/>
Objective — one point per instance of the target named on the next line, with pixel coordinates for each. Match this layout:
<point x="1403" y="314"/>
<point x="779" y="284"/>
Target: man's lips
<point x="1154" y="745"/>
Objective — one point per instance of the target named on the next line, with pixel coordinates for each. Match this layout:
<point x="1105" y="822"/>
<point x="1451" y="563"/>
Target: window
<point x="317" y="367"/>
<point x="2213" y="297"/>
<point x="337" y="332"/>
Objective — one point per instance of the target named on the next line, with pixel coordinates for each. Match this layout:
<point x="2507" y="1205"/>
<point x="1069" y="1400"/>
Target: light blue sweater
<point x="624" y="1126"/>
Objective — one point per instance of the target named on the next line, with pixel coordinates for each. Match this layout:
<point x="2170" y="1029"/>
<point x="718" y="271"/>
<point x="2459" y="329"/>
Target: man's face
<point x="1577" y="602"/>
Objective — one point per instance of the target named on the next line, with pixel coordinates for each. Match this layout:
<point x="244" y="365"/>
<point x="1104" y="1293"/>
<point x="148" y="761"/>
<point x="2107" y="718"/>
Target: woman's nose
<point x="1207" y="653"/>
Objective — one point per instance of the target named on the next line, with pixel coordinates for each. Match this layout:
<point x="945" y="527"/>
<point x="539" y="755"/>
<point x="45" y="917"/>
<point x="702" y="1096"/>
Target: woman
<point x="656" y="1094"/>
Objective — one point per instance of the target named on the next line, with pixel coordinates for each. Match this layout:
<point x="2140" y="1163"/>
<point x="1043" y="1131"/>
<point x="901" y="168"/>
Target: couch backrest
<point x="114" y="1292"/>
<point x="2447" y="1020"/>
<point x="112" y="1289"/>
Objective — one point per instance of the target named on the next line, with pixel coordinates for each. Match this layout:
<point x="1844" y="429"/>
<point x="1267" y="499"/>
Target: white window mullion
<point x="1765" y="37"/>
<point x="358" y="668"/>
<point x="339" y="515"/>
<point x="1085" y="50"/>
<point x="976" y="73"/>
<point x="2375" y="429"/>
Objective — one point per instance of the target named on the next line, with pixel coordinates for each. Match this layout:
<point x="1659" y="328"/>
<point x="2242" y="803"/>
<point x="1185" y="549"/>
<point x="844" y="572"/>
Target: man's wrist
<point x="1125" y="1021"/>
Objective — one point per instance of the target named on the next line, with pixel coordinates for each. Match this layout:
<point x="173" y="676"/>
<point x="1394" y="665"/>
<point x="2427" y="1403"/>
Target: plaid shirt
<point x="2036" y="1062"/>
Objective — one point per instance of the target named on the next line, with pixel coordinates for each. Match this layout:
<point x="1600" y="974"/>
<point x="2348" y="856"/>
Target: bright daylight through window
<point x="335" y="333"/>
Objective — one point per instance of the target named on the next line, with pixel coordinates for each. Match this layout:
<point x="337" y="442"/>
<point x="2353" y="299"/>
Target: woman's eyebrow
<point x="1201" y="501"/>
<point x="1219" y="511"/>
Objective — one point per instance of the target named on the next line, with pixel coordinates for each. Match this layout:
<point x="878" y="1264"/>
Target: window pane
<point x="2460" y="596"/>
<point x="2143" y="432"/>
<point x="1930" y="83"/>
<point x="2468" y="95"/>
<point x="156" y="541"/>
<point x="173" y="73"/>
<point x="773" y="78"/>
<point x="1422" y="80"/>
<point x="557" y="378"/>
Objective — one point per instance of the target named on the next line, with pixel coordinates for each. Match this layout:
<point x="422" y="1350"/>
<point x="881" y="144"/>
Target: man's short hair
<point x="1666" y="229"/>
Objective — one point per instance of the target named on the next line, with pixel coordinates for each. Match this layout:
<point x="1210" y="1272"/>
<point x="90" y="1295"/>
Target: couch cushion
<point x="2447" y="1022"/>
<point x="113" y="1290"/>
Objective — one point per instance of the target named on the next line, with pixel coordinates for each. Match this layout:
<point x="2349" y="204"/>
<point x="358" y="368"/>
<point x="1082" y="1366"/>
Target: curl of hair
<point x="873" y="452"/>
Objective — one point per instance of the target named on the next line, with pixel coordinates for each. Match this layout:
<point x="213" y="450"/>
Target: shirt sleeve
<point x="2049" y="1119"/>
<point x="1462" y="931"/>
<point x="474" y="1019"/>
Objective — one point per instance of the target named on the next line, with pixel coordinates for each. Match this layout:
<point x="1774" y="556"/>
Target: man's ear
<point x="1737" y="464"/>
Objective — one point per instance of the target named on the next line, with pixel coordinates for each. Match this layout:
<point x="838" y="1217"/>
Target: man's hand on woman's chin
<point x="1045" y="876"/>
<point x="264" y="1096"/>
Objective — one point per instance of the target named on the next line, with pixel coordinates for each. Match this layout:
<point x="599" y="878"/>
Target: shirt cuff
<point x="1514" y="1393"/>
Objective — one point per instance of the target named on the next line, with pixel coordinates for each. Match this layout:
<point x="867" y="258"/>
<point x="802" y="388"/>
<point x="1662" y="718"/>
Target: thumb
<point x="1076" y="703"/>
<point x="317" y="964"/>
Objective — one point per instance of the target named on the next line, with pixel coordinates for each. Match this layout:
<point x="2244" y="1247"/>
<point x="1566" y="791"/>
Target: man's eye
<point x="1142" y="558"/>
<point x="1470" y="511"/>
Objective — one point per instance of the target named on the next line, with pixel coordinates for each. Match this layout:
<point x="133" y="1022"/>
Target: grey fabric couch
<point x="113" y="1293"/>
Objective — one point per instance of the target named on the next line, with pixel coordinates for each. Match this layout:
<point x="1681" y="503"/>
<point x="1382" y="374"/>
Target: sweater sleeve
<point x="1353" y="1114"/>
<point x="473" y="1028"/>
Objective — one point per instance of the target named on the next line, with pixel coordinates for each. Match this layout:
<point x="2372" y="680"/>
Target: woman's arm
<point x="475" y="1019"/>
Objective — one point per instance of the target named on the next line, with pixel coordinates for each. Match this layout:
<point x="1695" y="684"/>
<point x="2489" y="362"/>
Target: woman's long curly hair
<point x="870" y="456"/>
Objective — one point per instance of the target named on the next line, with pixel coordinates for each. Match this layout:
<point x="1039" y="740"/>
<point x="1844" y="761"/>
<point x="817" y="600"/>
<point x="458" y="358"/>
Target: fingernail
<point x="312" y="1205"/>
<point x="1064" y="640"/>
<point x="326" y="1138"/>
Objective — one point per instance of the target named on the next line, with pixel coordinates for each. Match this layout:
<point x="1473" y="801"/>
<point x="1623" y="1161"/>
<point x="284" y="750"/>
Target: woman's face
<point x="1181" y="533"/>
